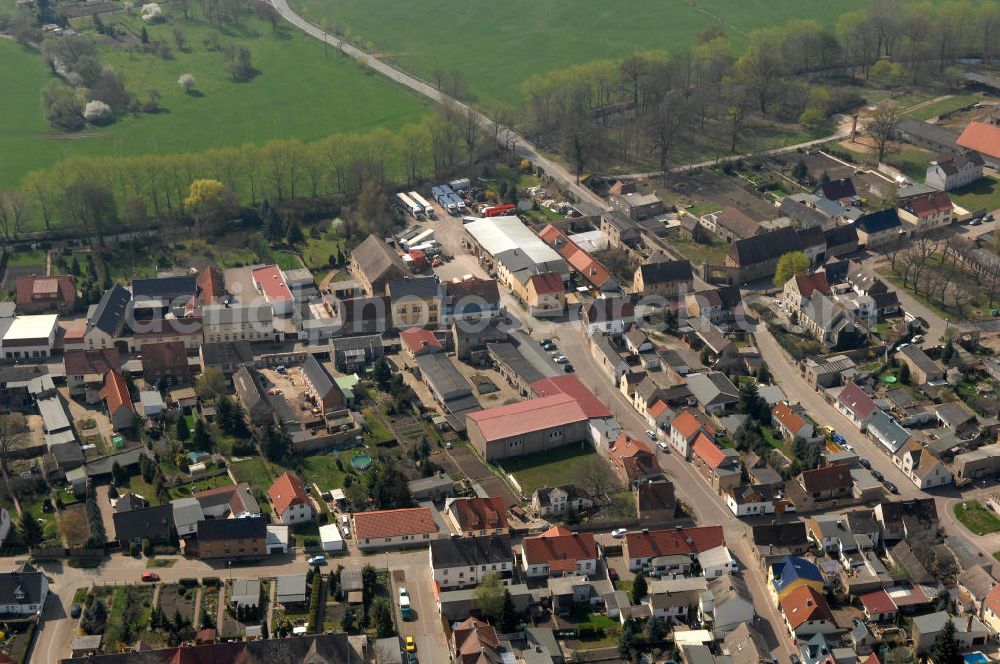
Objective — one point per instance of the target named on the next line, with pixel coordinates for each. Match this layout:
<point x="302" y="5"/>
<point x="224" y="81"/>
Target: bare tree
<point x="595" y="477"/>
<point x="882" y="128"/>
<point x="13" y="429"/>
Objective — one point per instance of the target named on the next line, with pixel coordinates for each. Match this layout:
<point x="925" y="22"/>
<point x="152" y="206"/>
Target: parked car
<point x="75" y="611"/>
<point x="411" y="645"/>
<point x="619" y="533"/>
<point x="150" y="577"/>
<point x="651" y="434"/>
<point x="847" y="446"/>
<point x="568" y="368"/>
<point x="891" y="487"/>
<point x="837" y="438"/>
<point x="663" y="447"/>
<point x="317" y="560"/>
<point x="877" y="475"/>
<point x="411" y="658"/>
<point x="865" y="463"/>
<point x="562" y="359"/>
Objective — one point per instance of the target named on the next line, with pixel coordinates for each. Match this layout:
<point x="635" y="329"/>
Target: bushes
<point x="314" y="602"/>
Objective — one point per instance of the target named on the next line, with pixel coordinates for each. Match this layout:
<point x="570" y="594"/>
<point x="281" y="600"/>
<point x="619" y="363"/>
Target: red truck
<point x="497" y="210"/>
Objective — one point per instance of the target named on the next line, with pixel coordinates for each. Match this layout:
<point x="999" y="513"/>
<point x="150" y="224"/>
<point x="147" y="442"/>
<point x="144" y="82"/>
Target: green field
<point x="562" y="465"/>
<point x="499" y="45"/>
<point x="952" y="103"/>
<point x="300" y="92"/>
<point x="983" y="194"/>
<point x="977" y="518"/>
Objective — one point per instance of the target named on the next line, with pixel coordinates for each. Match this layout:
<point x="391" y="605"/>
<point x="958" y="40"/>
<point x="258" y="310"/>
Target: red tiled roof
<point x="810" y="283"/>
<point x="286" y="491"/>
<point x="98" y="361"/>
<point x="804" y="604"/>
<point x="270" y="280"/>
<point x="626" y="446"/>
<point x="61" y="288"/>
<point x="211" y="285"/>
<point x="574" y="387"/>
<point x="708" y="451"/>
<point x="393" y="523"/>
<point x="992" y="600"/>
<point x="547" y="284"/>
<point x="855" y="400"/>
<point x="871" y="659"/>
<point x="787" y="417"/>
<point x="687" y="424"/>
<point x="828" y="478"/>
<point x="171" y="355"/>
<point x="480" y="513"/>
<point x="928" y="204"/>
<point x="981" y="137"/>
<point x="657" y="543"/>
<point x="558" y="545"/>
<point x="586" y="265"/>
<point x="474" y="287"/>
<point x="476" y="642"/>
<point x="115" y="392"/>
<point x="878" y="602"/>
<point x="418" y="338"/>
<point x="526" y="416"/>
<point x="658" y="408"/>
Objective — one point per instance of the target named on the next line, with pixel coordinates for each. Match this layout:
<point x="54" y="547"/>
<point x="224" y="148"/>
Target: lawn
<point x="322" y="469"/>
<point x="73" y="526"/>
<point x="186" y="490"/>
<point x="559" y="466"/>
<point x="317" y="251"/>
<point x="252" y="471"/>
<point x="376" y="431"/>
<point x="23" y="258"/>
<point x="298" y="93"/>
<point x="944" y="106"/>
<point x="714" y="252"/>
<point x="143" y="488"/>
<point x="977" y="518"/>
<point x="913" y="163"/>
<point x="983" y="194"/>
<point x="499" y="45"/>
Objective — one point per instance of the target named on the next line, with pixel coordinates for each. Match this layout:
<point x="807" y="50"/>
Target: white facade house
<point x="238" y="322"/>
<point x="29" y="337"/>
<point x="23" y="591"/>
<point x="187" y="514"/>
<point x="464" y="562"/>
<point x="717" y="561"/>
<point x="955" y="171"/>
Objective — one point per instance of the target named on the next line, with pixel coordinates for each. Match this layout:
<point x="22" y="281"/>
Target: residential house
<point x="559" y="552"/>
<point x="841" y="240"/>
<point x="226" y="356"/>
<point x="685" y="429"/>
<point x="955" y="170"/>
<point x="354" y="354"/>
<point x="45" y="295"/>
<point x="187" y="514"/>
<point x="807" y="613"/>
<point x="289" y="500"/>
<point x="475" y="642"/>
<point x="637" y="207"/>
<point x="665" y="278"/>
<point x="609" y="359"/>
<point x="902" y="518"/>
<point x="922" y="368"/>
<point x="775" y="541"/>
<point x="791" y="573"/>
<point x="753" y="499"/>
<point x="23" y="591"/>
<point x="545" y="294"/>
<point x="251" y="395"/>
<point x="827" y="483"/>
<point x="745" y="645"/>
<point x="471" y="299"/>
<point x="886" y="431"/>
<point x="928" y="212"/>
<point x="622" y="232"/>
<point x="320" y="388"/>
<point x="384" y="529"/>
<point x="477" y="516"/>
<point x="969" y="630"/>
<point x="877" y="229"/>
<point x="826" y="372"/>
<point x="659" y="415"/>
<point x="85" y="370"/>
<point x="117" y="400"/>
<point x="418" y="341"/>
<point x="155" y="524"/>
<point x="674" y="599"/>
<point x="714" y="391"/>
<point x="718" y="306"/>
<point x="583" y="264"/>
<point x="632" y="460"/>
<point x="878" y="606"/>
<point x="416" y="301"/>
<point x="832" y="534"/>
<point x="611" y="315"/>
<point x="726" y="604"/>
<point x="731" y="224"/>
<point x="856" y="404"/>
<point x="923" y="468"/>
<point x="238" y="322"/>
<point x="165" y="363"/>
<point x="991" y="609"/>
<point x="655" y="502"/>
<point x="841" y="191"/>
<point x="364" y="315"/>
<point x="671" y="550"/>
<point x="374" y="264"/>
<point x="974" y="585"/>
<point x="461" y="562"/>
<point x="798" y="290"/>
<point x="230" y="538"/>
<point x="826" y="319"/>
<point x="233" y="501"/>
<point x="555" y="501"/>
<point x="791" y="423"/>
<point x="720" y="467"/>
<point x="106" y="321"/>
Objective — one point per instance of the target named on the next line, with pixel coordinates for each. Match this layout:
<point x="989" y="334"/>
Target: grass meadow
<point x="301" y="91"/>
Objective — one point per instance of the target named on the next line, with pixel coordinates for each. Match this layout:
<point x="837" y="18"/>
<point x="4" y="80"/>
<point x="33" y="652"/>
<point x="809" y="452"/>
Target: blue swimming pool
<point x="975" y="658"/>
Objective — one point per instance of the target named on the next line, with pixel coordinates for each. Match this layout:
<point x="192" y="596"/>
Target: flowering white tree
<point x="96" y="112"/>
<point x="151" y="12"/>
<point x="187" y="82"/>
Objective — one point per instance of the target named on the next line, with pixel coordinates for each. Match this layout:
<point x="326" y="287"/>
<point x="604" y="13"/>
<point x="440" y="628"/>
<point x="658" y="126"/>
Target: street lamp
<point x="230" y="566"/>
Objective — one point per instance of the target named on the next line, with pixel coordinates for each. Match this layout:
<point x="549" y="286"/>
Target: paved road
<point x="588" y="202"/>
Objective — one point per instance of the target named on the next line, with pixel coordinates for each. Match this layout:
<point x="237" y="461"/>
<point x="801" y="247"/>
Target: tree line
<point x="653" y="104"/>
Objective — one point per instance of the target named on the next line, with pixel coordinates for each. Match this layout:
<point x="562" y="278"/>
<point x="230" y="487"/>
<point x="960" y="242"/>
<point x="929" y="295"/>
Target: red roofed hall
<point x="641" y="548"/>
<point x="270" y="281"/>
<point x="574" y="387"/>
<point x="390" y="528"/>
<point x="117" y="400"/>
<point x="526" y="427"/>
<point x="290" y="500"/>
<point x="45" y="295"/>
<point x="420" y="341"/>
<point x="479" y="516"/>
<point x="982" y="138"/>
<point x="878" y="605"/>
<point x="559" y="552"/>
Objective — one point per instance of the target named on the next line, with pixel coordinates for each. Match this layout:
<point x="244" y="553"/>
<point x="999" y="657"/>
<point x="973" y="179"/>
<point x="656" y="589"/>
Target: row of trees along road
<point x="654" y="105"/>
<point x="98" y="195"/>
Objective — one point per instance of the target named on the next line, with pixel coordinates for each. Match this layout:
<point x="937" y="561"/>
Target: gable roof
<point x="476" y="642"/>
<point x="687" y="424"/>
<point x="811" y="283"/>
<point x="526" y="416"/>
<point x="804" y="604"/>
<point x="470" y="551"/>
<point x="665" y="271"/>
<point x="780" y="534"/>
<point x="109" y="315"/>
<point x="319" y="377"/>
<point x="712" y="388"/>
<point x="24" y="580"/>
<point x="586" y="265"/>
<point x="414" y="288"/>
<point x="787" y="417"/>
<point x="570" y="385"/>
<point x="708" y="451"/>
<point x="929" y="204"/>
<point x="766" y="246"/>
<point x="843" y="234"/>
<point x="94" y="361"/>
<point x="547" y="283"/>
<point x="393" y="523"/>
<point x="236" y="497"/>
<point x="981" y="137"/>
<point x="474" y="287"/>
<point x="152" y="523"/>
<point x="479" y="513"/>
<point x="827" y="478"/>
<point x="287" y="491"/>
<point x="32" y="288"/>
<point x="792" y="568"/>
<point x="417" y="339"/>
<point x="211" y="285"/>
<point x="879" y="222"/>
<point x="559" y="548"/>
<point x="115" y="392"/>
<point x="735" y="221"/>
<point x="165" y="288"/>
<point x="656" y="543"/>
<point x="836" y="190"/>
<point x="655" y="495"/>
<point x="376" y="258"/>
<point x="168" y="355"/>
<point x="855" y="400"/>
<point x="251" y="527"/>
